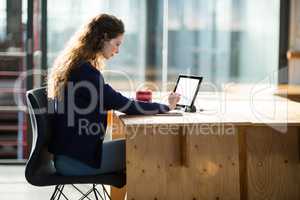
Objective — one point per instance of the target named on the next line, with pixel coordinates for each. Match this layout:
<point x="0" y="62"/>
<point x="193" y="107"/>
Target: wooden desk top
<point x="257" y="105"/>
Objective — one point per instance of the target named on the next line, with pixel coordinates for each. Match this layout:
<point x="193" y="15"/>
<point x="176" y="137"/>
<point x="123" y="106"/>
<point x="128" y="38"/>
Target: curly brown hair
<point x="85" y="45"/>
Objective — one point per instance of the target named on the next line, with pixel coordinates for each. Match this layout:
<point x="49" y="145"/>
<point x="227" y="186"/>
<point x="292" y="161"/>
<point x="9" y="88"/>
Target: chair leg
<point x="61" y="192"/>
<point x="54" y="192"/>
<point x="94" y="189"/>
<point x="98" y="193"/>
<point x="105" y="192"/>
<point x="58" y="191"/>
<point x="84" y="195"/>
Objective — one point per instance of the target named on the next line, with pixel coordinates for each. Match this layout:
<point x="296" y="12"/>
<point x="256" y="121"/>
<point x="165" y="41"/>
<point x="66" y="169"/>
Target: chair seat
<point x="114" y="179"/>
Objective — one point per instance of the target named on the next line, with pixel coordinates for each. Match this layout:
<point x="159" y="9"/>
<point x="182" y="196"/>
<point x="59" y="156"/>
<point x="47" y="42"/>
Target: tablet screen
<point x="188" y="88"/>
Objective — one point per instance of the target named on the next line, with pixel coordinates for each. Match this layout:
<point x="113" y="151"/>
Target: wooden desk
<point x="244" y="146"/>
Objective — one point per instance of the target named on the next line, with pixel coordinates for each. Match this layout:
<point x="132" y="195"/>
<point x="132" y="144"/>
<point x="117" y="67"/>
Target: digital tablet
<point x="187" y="86"/>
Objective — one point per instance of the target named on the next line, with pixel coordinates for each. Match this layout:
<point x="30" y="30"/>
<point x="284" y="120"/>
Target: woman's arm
<point x="115" y="100"/>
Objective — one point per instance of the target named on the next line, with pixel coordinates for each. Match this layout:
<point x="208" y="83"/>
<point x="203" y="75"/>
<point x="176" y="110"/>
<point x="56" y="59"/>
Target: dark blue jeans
<point x="113" y="159"/>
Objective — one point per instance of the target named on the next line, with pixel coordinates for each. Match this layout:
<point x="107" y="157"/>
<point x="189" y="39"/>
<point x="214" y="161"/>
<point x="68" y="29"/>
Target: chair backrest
<point x="40" y="163"/>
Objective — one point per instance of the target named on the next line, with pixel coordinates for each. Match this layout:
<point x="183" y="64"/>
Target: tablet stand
<point x="191" y="109"/>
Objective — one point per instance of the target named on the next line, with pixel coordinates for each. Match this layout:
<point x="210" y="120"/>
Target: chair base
<point x="58" y="193"/>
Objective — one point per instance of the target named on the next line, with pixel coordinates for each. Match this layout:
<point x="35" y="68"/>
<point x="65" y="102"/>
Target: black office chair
<point x="40" y="170"/>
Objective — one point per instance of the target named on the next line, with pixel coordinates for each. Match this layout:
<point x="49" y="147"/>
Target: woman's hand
<point x="173" y="100"/>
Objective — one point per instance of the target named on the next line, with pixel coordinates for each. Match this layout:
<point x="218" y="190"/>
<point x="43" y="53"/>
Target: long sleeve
<point x="115" y="100"/>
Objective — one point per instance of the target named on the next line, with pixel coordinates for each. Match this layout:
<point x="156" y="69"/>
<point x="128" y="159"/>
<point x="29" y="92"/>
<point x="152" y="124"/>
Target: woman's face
<point x="112" y="46"/>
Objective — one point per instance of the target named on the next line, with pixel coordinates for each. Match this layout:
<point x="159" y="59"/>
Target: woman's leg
<point x="113" y="160"/>
<point x="71" y="167"/>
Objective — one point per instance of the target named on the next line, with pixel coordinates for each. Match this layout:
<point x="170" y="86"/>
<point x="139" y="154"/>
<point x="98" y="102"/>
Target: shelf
<point x="13" y="143"/>
<point x="12" y="90"/>
<point x="7" y="154"/>
<point x="8" y="150"/>
<point x="8" y="128"/>
<point x="13" y="54"/>
<point x="12" y="109"/>
<point x="13" y="161"/>
<point x="10" y="74"/>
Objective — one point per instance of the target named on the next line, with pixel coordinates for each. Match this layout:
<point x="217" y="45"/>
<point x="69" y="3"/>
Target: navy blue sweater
<point x="80" y="118"/>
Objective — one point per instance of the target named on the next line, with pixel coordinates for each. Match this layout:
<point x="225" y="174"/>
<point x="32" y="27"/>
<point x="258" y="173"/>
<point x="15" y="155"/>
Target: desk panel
<point x="272" y="163"/>
<point x="155" y="169"/>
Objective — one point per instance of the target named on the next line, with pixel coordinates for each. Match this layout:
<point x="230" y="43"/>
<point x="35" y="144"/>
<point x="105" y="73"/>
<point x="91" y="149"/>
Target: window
<point x="223" y="40"/>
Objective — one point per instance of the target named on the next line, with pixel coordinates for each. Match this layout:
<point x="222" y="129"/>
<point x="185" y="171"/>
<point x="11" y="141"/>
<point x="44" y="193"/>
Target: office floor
<point x="13" y="186"/>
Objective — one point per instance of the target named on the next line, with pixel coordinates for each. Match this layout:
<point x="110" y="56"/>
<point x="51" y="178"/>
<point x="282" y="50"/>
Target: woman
<point x="82" y="99"/>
